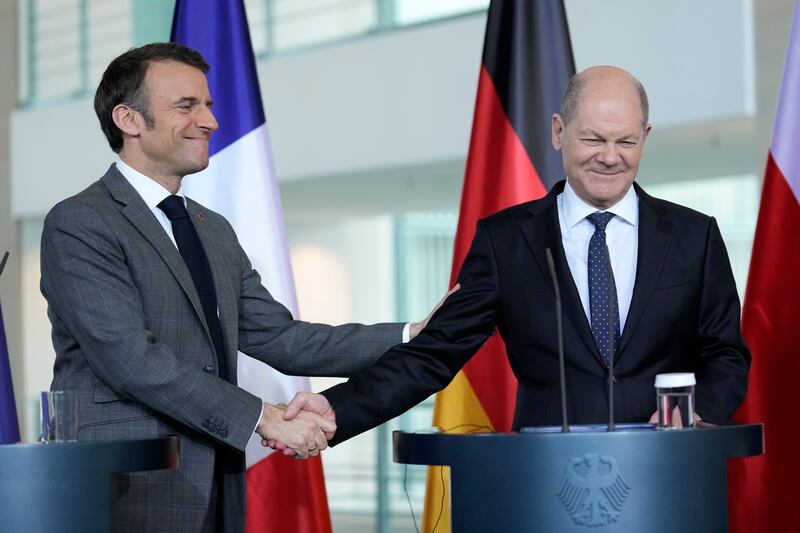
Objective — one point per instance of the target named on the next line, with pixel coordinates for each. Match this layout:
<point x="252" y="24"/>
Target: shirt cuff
<point x="260" y="414"/>
<point x="407" y="332"/>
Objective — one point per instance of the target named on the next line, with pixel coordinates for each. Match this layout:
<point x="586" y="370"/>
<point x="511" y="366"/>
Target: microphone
<point x="3" y="263"/>
<point x="551" y="265"/>
<point x="613" y="331"/>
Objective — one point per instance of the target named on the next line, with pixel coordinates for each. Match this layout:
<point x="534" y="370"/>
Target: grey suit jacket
<point x="130" y="337"/>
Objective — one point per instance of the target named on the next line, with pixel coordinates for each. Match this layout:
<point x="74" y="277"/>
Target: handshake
<point x="301" y="429"/>
<point x="304" y="427"/>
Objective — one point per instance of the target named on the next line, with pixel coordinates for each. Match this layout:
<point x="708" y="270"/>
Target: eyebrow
<point x="589" y="131"/>
<point x="192" y="100"/>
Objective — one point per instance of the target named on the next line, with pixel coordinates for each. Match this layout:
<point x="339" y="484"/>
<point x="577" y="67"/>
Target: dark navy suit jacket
<point x="684" y="317"/>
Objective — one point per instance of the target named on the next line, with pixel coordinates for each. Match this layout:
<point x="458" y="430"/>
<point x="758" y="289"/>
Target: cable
<point x="474" y="429"/>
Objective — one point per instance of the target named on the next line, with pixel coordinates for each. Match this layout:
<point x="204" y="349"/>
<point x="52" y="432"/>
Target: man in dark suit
<point x="671" y="305"/>
<point x="150" y="297"/>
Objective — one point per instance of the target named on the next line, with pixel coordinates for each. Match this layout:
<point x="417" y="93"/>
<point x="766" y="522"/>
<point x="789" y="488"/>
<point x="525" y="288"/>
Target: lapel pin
<point x="201" y="216"/>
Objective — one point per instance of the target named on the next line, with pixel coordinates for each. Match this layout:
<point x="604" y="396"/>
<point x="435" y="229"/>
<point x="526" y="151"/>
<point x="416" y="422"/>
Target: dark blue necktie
<point x="194" y="256"/>
<point x="602" y="290"/>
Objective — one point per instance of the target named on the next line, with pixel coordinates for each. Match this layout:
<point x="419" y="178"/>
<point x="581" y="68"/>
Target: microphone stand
<point x="614" y="329"/>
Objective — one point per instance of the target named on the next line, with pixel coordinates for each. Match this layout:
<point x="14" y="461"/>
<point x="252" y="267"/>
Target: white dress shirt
<point x="152" y="193"/>
<point x="622" y="238"/>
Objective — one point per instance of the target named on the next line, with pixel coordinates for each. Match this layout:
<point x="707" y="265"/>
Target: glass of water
<point x="675" y="397"/>
<point x="59" y="416"/>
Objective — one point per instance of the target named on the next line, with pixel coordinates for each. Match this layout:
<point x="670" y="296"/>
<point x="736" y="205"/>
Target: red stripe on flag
<point x="499" y="174"/>
<point x="284" y="494"/>
<point x="763" y="489"/>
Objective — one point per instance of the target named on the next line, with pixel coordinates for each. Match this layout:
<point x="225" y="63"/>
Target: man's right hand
<point x="305" y="434"/>
<point x="310" y="402"/>
<point x="303" y="403"/>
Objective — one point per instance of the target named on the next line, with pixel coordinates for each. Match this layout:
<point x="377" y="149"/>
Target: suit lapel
<point x="140" y="216"/>
<point x="220" y="267"/>
<point x="542" y="231"/>
<point x="655" y="236"/>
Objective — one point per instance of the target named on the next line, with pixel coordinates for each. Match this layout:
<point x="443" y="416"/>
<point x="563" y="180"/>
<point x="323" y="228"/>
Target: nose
<point x="609" y="155"/>
<point x="207" y="120"/>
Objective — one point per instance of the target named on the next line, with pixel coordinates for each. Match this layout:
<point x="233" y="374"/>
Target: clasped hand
<point x="301" y="429"/>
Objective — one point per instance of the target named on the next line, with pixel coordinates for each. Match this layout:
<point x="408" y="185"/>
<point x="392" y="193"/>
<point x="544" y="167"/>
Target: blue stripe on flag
<point x="232" y="79"/>
<point x="9" y="426"/>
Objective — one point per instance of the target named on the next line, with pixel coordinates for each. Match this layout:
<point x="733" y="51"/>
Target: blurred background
<point x="369" y="105"/>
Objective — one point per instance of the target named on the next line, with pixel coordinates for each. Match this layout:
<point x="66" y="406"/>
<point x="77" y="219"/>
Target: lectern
<point x="625" y="481"/>
<point x="66" y="487"/>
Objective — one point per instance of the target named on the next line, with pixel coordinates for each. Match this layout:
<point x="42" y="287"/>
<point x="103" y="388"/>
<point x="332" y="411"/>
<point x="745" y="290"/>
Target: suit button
<point x="209" y="370"/>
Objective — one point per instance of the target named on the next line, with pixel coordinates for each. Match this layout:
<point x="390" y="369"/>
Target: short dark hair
<point x="123" y="83"/>
<point x="572" y="94"/>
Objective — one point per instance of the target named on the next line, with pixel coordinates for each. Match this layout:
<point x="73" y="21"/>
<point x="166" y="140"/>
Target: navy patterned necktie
<point x="194" y="256"/>
<point x="602" y="290"/>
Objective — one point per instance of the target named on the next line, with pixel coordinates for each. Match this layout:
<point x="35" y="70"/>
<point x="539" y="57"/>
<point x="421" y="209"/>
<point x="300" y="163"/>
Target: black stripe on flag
<point x="528" y="54"/>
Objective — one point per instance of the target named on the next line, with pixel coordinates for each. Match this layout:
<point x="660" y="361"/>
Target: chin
<point x="194" y="169"/>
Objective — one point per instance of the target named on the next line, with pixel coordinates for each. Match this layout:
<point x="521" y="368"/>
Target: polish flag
<point x="763" y="489"/>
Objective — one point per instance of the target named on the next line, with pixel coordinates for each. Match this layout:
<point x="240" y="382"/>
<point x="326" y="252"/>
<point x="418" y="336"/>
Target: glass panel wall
<point x="66" y="44"/>
<point x="415" y="11"/>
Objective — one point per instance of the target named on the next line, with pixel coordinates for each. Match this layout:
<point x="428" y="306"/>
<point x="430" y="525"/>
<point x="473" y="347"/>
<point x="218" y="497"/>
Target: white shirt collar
<point x="575" y="209"/>
<point x="149" y="189"/>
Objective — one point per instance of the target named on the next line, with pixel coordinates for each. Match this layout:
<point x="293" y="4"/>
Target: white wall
<point x="696" y="59"/>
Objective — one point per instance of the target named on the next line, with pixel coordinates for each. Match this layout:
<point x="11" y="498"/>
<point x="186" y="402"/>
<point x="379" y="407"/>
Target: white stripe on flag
<point x="240" y="184"/>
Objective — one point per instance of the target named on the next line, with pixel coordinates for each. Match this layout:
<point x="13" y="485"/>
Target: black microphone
<point x="3" y="263"/>
<point x="551" y="265"/>
<point x="613" y="330"/>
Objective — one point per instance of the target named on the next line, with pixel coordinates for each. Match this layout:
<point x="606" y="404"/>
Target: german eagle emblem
<point x="593" y="491"/>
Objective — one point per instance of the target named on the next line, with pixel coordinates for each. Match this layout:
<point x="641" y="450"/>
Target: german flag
<point x="527" y="61"/>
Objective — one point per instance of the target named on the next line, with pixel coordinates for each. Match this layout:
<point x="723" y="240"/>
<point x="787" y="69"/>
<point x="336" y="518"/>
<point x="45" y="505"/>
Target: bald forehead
<point x="598" y="86"/>
<point x="596" y="82"/>
<point x="607" y="75"/>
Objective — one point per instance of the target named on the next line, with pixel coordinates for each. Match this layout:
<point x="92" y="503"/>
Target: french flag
<point x="240" y="183"/>
<point x="763" y="489"/>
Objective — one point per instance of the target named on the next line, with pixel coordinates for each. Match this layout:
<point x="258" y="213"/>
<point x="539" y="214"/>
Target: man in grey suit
<point x="150" y="297"/>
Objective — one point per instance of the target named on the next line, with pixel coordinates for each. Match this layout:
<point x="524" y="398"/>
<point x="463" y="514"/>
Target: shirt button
<point x="209" y="370"/>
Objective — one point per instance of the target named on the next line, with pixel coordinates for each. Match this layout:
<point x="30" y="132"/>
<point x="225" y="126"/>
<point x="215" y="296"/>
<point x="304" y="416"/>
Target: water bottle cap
<point x="676" y="379"/>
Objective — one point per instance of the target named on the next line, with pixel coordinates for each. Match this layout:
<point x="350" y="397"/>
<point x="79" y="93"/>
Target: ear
<point x="127" y="119"/>
<point x="557" y="131"/>
<point x="647" y="128"/>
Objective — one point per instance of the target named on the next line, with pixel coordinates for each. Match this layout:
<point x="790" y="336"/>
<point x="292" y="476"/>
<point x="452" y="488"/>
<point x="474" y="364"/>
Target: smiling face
<point x="175" y="142"/>
<point x="602" y="144"/>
